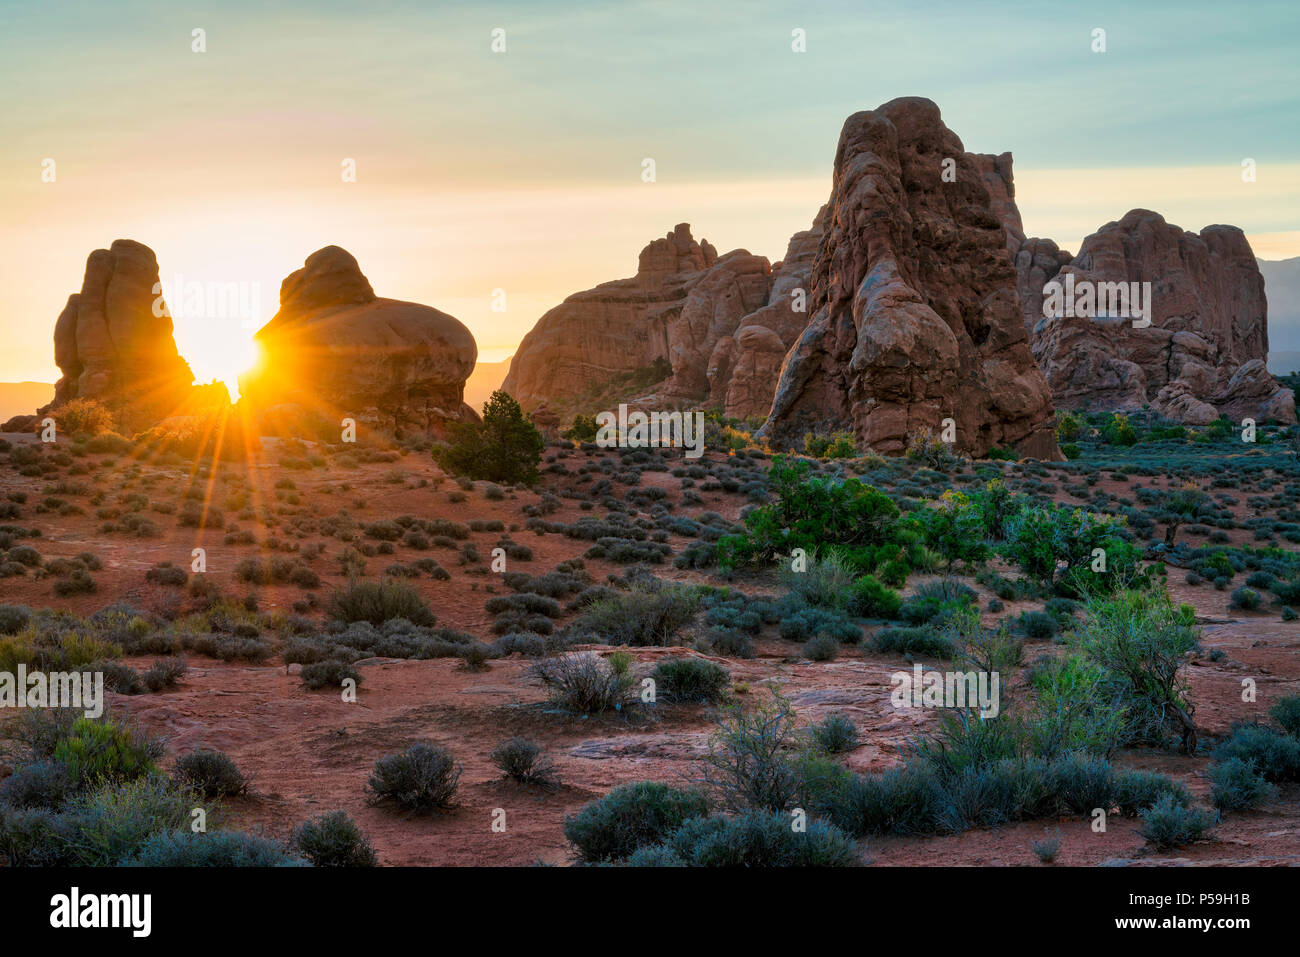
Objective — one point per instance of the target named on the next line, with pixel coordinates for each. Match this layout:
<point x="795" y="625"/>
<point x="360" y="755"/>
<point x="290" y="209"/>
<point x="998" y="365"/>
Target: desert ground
<point x="108" y="513"/>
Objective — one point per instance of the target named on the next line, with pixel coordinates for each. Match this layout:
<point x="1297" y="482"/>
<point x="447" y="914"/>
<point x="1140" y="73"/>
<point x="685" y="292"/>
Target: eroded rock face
<point x="683" y="301"/>
<point x="335" y="350"/>
<point x="745" y="387"/>
<point x="111" y="347"/>
<point x="1203" y="353"/>
<point x="915" y="313"/>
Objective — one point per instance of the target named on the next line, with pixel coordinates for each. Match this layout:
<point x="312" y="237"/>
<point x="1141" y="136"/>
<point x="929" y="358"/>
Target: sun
<point x="218" y="351"/>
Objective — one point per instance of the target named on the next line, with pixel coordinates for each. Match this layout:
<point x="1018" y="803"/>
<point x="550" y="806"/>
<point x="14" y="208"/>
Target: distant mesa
<point x="336" y="350"/>
<point x="1204" y="353"/>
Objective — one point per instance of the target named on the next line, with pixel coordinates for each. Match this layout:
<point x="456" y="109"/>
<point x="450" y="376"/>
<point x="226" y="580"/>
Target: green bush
<point x="334" y="840"/>
<point x="821" y="648"/>
<point x="1076" y="708"/>
<point x="1237" y="786"/>
<point x="1286" y="712"/>
<point x="837" y="445"/>
<point x="378" y="602"/>
<point x="1055" y="545"/>
<point x="1244" y="598"/>
<point x="42" y="784"/>
<point x="584" y="683"/>
<point x="937" y="601"/>
<point x="691" y="679"/>
<point x="218" y="849"/>
<point x="522" y="761"/>
<point x="1118" y="431"/>
<point x="1142" y="640"/>
<point x="1274" y="756"/>
<point x="421" y="779"/>
<point x="103" y="751"/>
<point x="871" y="599"/>
<point x="630" y="817"/>
<point x="211" y="773"/>
<point x="1069" y="425"/>
<point x="583" y="429"/>
<point x="835" y="734"/>
<point x="505" y="447"/>
<point x="954" y="528"/>
<point x="110" y="826"/>
<point x="14" y="618"/>
<point x="826" y="582"/>
<point x="761" y="839"/>
<point x="810" y="513"/>
<point x="1038" y="625"/>
<point x="35" y="837"/>
<point x="904" y="800"/>
<point x="920" y="640"/>
<point x="330" y="673"/>
<point x="801" y="624"/>
<point x="747" y="765"/>
<point x="1137" y="790"/>
<point x="642" y="616"/>
<point x="1167" y="824"/>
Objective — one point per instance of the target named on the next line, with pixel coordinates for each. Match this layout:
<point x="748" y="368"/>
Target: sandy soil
<point x="310" y="752"/>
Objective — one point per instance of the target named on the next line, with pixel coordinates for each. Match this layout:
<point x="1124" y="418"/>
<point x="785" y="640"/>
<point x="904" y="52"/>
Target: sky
<point x="520" y="171"/>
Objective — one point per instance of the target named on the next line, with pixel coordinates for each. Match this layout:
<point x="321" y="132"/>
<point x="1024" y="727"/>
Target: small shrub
<point x="14" y="618"/>
<point x="691" y="679"/>
<point x="1245" y="598"/>
<point x="334" y="840"/>
<point x="378" y="602"/>
<point x="522" y="761"/>
<point x="921" y="640"/>
<point x="821" y="648"/>
<point x="1286" y="712"/>
<point x="835" y="734"/>
<point x="747" y="765"/>
<point x="103" y="751"/>
<point x="583" y="683"/>
<point x="1046" y="849"/>
<point x="1167" y="824"/>
<point x="421" y="779"/>
<point x="871" y="599"/>
<point x="330" y="673"/>
<point x="1236" y="786"/>
<point x="762" y="839"/>
<point x="186" y="848"/>
<point x="1274" y="756"/>
<point x="630" y="817"/>
<point x="211" y="773"/>
<point x="640" y="617"/>
<point x="1038" y="625"/>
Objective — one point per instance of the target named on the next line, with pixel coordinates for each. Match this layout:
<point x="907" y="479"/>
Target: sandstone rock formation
<point x="111" y="346"/>
<point x="915" y="313"/>
<point x="334" y="350"/>
<point x="682" y="301"/>
<point x="745" y="365"/>
<point x="1204" y="352"/>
